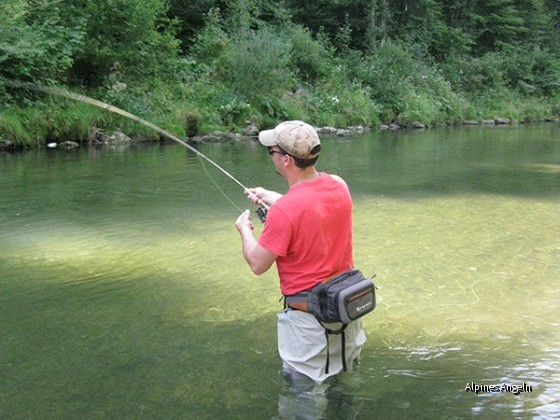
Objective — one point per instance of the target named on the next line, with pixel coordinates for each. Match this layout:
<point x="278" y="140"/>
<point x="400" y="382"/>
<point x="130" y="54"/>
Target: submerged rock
<point x="6" y="144"/>
<point x="217" y="136"/>
<point x="119" y="137"/>
<point x="69" y="144"/>
<point x="502" y="121"/>
<point x="98" y="136"/>
<point x="333" y="131"/>
<point x="326" y="130"/>
<point x="251" y="130"/>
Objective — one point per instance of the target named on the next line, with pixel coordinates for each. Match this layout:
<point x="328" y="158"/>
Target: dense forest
<point x="197" y="66"/>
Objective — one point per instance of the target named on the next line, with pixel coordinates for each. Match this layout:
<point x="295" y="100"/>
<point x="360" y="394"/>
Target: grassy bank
<point x="187" y="110"/>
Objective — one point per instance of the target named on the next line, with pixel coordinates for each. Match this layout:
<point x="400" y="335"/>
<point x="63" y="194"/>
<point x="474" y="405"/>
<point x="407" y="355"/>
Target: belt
<point x="297" y="301"/>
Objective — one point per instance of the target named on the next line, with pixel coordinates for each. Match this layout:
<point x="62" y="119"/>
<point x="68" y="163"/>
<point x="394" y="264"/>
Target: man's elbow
<point x="259" y="259"/>
<point x="258" y="265"/>
<point x="258" y="269"/>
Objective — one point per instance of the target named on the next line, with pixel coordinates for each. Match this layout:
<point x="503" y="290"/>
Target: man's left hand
<point x="244" y="222"/>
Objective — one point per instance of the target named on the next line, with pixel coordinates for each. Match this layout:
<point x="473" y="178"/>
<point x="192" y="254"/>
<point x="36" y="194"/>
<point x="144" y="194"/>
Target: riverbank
<point x="100" y="137"/>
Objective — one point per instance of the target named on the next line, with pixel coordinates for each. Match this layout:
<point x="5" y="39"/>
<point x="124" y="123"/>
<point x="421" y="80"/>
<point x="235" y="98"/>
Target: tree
<point x="539" y="22"/>
<point x="329" y="16"/>
<point x="36" y="44"/>
<point x="191" y="17"/>
<point x="133" y="40"/>
<point x="498" y="23"/>
<point x="379" y="16"/>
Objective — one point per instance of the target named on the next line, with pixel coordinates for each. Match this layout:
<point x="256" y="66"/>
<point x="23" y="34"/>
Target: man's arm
<point x="258" y="258"/>
<point x="259" y="193"/>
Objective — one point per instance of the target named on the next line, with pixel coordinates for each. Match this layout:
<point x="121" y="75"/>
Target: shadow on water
<point x="107" y="350"/>
<point x="98" y="348"/>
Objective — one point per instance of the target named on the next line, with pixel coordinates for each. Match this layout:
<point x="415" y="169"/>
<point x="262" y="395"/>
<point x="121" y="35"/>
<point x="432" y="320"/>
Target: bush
<point x="339" y="102"/>
<point x="310" y="59"/>
<point x="256" y="64"/>
<point x="131" y="40"/>
<point x="385" y="71"/>
<point x="474" y="74"/>
<point x="406" y="89"/>
<point x="211" y="42"/>
<point x="531" y="71"/>
<point x="36" y="45"/>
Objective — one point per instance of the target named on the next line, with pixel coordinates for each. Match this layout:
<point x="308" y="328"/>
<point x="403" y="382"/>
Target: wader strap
<point x="328" y="332"/>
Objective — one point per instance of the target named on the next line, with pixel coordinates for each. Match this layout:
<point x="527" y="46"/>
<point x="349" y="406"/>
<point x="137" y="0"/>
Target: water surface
<point x="124" y="294"/>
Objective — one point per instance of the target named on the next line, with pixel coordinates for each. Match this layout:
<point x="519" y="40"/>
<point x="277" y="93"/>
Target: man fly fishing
<point x="308" y="234"/>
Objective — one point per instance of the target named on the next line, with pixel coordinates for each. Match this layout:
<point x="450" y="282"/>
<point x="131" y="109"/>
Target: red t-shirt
<point x="310" y="229"/>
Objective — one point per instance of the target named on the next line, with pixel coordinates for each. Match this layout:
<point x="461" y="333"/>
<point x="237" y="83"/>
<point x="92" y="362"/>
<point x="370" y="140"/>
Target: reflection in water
<point x="302" y="398"/>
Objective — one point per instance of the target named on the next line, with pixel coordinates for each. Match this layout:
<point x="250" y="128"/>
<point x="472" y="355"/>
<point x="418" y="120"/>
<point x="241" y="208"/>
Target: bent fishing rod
<point x="261" y="211"/>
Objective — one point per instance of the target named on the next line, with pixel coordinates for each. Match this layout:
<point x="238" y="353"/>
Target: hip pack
<point x="343" y="298"/>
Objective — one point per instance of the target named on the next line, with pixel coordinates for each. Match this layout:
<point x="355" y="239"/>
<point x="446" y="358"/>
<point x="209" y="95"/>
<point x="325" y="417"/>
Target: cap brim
<point x="266" y="137"/>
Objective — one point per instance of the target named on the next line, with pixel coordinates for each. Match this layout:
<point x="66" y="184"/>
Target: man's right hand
<point x="261" y="195"/>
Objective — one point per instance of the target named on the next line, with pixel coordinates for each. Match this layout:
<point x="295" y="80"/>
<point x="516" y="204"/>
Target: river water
<point x="123" y="292"/>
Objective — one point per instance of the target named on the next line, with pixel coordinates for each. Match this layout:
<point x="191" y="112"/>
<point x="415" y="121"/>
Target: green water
<point x="123" y="292"/>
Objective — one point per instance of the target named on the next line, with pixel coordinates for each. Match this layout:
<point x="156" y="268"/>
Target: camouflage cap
<point x="297" y="138"/>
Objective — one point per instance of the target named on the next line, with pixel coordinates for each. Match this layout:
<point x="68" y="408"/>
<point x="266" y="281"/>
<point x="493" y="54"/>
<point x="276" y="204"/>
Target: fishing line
<point x="217" y="186"/>
<point x="91" y="101"/>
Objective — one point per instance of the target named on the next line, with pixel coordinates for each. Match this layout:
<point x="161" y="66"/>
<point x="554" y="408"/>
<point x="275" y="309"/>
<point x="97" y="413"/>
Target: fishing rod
<point x="261" y="211"/>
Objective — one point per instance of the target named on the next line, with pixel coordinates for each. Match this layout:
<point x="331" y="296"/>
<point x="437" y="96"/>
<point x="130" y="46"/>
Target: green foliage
<point x="531" y="71"/>
<point x="192" y="122"/>
<point x="202" y="65"/>
<point x="498" y="23"/>
<point x="257" y="64"/>
<point x="70" y="121"/>
<point x="56" y="120"/>
<point x="211" y="41"/>
<point x="339" y="102"/>
<point x="330" y="17"/>
<point x="386" y="71"/>
<point x="234" y="113"/>
<point x="12" y="129"/>
<point x="125" y="41"/>
<point x="407" y="90"/>
<point x="190" y="17"/>
<point x="275" y="109"/>
<point x="418" y="23"/>
<point x="473" y="74"/>
<point x="36" y="44"/>
<point x="310" y="59"/>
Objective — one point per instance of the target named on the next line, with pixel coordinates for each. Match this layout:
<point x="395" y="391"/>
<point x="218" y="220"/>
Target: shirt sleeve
<point x="277" y="232"/>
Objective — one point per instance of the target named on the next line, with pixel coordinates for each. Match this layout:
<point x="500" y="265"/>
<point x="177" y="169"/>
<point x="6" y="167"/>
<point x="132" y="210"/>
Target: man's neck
<point x="303" y="175"/>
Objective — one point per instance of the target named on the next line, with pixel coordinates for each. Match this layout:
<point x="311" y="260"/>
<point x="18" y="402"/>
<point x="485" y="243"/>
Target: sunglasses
<point x="271" y="151"/>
